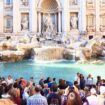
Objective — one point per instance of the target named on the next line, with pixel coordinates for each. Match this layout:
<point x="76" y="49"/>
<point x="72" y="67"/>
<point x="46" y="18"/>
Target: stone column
<point x="1" y="16"/>
<point x="39" y="21"/>
<point x="59" y="22"/>
<point x="65" y="17"/>
<point x="55" y="18"/>
<point x="97" y="2"/>
<point x="16" y="16"/>
<point x="33" y="16"/>
<point x="82" y="16"/>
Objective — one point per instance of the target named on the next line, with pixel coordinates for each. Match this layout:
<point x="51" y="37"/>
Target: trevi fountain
<point x="55" y="38"/>
<point x="50" y="46"/>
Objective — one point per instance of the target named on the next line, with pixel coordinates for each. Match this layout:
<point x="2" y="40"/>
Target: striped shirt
<point x="37" y="99"/>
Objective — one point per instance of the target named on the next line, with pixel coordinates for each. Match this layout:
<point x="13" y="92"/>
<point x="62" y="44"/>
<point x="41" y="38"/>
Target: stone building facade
<point x="78" y="17"/>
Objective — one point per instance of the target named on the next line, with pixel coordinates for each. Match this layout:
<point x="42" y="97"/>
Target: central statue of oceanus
<point x="49" y="29"/>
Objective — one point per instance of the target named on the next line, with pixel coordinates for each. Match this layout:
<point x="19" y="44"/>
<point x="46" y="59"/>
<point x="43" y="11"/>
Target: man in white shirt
<point x="9" y="80"/>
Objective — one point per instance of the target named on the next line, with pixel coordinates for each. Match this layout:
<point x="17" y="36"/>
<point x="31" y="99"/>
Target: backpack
<point x="64" y="100"/>
<point x="84" y="100"/>
<point x="54" y="101"/>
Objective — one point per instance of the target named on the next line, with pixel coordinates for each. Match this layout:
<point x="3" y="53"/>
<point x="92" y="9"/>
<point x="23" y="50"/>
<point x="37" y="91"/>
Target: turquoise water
<point x="65" y="69"/>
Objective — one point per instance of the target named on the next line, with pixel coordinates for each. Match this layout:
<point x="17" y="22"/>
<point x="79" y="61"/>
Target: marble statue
<point x="24" y="23"/>
<point x="73" y="2"/>
<point x="24" y="2"/>
<point x="74" y="22"/>
<point x="48" y="26"/>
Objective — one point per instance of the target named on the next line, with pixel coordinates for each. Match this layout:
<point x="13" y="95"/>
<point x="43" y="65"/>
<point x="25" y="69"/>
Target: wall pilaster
<point x="33" y="16"/>
<point x="16" y="16"/>
<point x="1" y="16"/>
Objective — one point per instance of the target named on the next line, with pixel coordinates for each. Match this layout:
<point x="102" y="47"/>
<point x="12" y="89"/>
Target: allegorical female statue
<point x="74" y="22"/>
<point x="24" y="2"/>
<point x="73" y="2"/>
<point x="24" y="23"/>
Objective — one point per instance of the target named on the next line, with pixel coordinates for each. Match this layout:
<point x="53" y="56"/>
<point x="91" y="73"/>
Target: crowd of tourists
<point x="50" y="92"/>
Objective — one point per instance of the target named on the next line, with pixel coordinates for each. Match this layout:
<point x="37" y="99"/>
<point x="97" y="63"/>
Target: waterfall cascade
<point x="49" y="53"/>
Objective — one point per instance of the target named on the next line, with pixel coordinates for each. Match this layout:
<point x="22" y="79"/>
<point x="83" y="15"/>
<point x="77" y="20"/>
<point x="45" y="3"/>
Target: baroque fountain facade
<point x="51" y="30"/>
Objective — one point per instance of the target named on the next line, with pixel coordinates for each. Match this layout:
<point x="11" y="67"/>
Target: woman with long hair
<point x="73" y="98"/>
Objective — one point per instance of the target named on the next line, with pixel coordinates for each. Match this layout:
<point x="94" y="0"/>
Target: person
<point x="76" y="87"/>
<point x="15" y="96"/>
<point x="31" y="90"/>
<point x="46" y="90"/>
<point x="47" y="80"/>
<point x="98" y="83"/>
<point x="53" y="97"/>
<point x="92" y="99"/>
<point x="50" y="83"/>
<point x="37" y="98"/>
<point x="77" y="78"/>
<point x="62" y="84"/>
<point x="31" y="80"/>
<point x="82" y="82"/>
<point x="41" y="82"/>
<point x="73" y="97"/>
<point x="98" y="80"/>
<point x="9" y="80"/>
<point x="6" y="94"/>
<point x="54" y="81"/>
<point x="101" y="97"/>
<point x="25" y="93"/>
<point x="89" y="81"/>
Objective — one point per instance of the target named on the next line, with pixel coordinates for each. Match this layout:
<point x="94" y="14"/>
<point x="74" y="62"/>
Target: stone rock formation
<point x="87" y="53"/>
<point x="96" y="50"/>
<point x="11" y="56"/>
<point x="49" y="53"/>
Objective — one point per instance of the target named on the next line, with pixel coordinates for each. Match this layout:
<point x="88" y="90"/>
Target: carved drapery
<point x="25" y="21"/>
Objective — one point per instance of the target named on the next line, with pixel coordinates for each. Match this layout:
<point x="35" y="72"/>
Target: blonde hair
<point x="6" y="102"/>
<point x="15" y="92"/>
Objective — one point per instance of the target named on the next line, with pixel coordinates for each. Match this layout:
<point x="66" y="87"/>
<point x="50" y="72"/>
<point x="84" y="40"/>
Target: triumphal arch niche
<point x="49" y="18"/>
